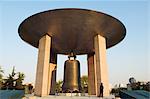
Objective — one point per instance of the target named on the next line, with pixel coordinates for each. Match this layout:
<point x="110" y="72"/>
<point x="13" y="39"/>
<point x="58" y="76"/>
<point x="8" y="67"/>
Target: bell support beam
<point x="91" y="74"/>
<point x="101" y="70"/>
<point x="41" y="84"/>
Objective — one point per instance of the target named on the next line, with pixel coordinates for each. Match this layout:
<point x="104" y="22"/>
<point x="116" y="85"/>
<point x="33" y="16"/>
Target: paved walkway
<point x="67" y="97"/>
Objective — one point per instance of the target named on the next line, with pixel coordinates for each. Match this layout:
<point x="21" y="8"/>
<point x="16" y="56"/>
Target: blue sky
<point x="127" y="59"/>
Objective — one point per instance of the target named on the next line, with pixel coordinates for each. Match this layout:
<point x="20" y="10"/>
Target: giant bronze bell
<point x="71" y="82"/>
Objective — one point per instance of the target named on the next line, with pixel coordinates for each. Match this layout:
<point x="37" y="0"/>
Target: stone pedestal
<point x="101" y="70"/>
<point x="41" y="84"/>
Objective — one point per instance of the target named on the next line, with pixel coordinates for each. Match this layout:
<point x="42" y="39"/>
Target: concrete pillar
<point x="41" y="84"/>
<point x="52" y="73"/>
<point x="101" y="70"/>
<point x="91" y="74"/>
<point x="52" y="78"/>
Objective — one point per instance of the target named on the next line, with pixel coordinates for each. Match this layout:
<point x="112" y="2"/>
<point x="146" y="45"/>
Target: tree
<point x="59" y="86"/>
<point x="1" y="77"/>
<point x="84" y="83"/>
<point x="1" y="73"/>
<point x="9" y="82"/>
<point x="132" y="80"/>
<point x="19" y="80"/>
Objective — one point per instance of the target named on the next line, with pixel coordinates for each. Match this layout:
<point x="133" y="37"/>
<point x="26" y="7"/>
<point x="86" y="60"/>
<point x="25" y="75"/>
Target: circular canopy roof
<point x="72" y="29"/>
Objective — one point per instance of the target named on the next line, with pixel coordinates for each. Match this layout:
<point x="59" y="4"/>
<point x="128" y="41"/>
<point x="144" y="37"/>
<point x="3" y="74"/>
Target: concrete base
<point x="67" y="97"/>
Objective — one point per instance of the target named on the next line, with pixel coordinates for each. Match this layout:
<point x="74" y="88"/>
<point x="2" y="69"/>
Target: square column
<point x="52" y="73"/>
<point x="41" y="84"/>
<point x="91" y="74"/>
<point x="101" y="70"/>
<point x="52" y="78"/>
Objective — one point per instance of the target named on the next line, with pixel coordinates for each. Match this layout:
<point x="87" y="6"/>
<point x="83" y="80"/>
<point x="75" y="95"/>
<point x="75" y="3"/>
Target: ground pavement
<point x="67" y="97"/>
